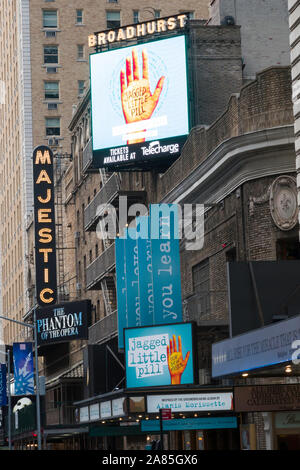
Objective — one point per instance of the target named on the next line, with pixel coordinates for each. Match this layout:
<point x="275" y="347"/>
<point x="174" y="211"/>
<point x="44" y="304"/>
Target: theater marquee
<point x="44" y="218"/>
<point x="160" y="25"/>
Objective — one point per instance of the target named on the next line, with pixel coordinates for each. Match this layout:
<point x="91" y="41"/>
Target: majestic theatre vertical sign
<point x="44" y="216"/>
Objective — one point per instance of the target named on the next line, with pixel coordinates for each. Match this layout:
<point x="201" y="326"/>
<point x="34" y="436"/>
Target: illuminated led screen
<point x="139" y="98"/>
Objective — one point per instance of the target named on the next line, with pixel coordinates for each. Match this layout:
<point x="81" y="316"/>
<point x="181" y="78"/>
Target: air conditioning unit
<point x="78" y="286"/>
<point x="53" y="142"/>
<point x="50" y="34"/>
<point x="51" y="69"/>
<point x="228" y="21"/>
<point x="52" y="105"/>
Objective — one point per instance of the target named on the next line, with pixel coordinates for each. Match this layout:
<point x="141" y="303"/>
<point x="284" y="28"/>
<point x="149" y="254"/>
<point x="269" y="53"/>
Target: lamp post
<point x="37" y="380"/>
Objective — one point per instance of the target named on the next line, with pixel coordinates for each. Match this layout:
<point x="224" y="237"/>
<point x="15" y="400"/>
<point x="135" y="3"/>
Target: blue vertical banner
<point x="132" y="278"/>
<point x="165" y="263"/>
<point x="3" y="385"/>
<point x="121" y="289"/>
<point x="23" y="369"/>
<point x="145" y="271"/>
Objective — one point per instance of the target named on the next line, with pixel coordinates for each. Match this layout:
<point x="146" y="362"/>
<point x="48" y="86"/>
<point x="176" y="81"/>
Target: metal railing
<point x="100" y="268"/>
<point x="104" y="196"/>
<point x="62" y="414"/>
<point x="103" y="329"/>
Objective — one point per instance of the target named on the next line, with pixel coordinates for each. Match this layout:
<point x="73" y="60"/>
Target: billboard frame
<point x="163" y="162"/>
<point x="194" y="359"/>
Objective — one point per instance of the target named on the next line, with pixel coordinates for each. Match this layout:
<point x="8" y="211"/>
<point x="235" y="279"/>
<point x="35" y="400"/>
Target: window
<point x="52" y="126"/>
<point x="113" y="19"/>
<point x="157" y="13"/>
<point x="288" y="249"/>
<point x="80" y="51"/>
<point x="79" y="16"/>
<point x="49" y="18"/>
<point x="81" y="87"/>
<point x="136" y="16"/>
<point x="50" y="54"/>
<point x="112" y="1"/>
<point x="201" y="287"/>
<point x="51" y="90"/>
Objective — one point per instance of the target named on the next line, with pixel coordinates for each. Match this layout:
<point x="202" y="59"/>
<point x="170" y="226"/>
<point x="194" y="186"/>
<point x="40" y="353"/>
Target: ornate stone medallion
<point x="283" y="202"/>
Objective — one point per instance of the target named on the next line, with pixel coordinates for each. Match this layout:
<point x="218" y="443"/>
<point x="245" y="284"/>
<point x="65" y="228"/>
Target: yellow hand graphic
<point x="138" y="103"/>
<point x="176" y="363"/>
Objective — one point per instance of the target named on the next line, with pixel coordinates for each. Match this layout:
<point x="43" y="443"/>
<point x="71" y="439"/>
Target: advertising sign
<point x="63" y="322"/>
<point x="148" y="271"/>
<point x="287" y="420"/>
<point x="3" y="390"/>
<point x="217" y="401"/>
<point x="44" y="222"/>
<point x="132" y="279"/>
<point x="229" y="422"/>
<point x="139" y="100"/>
<point x="105" y="409"/>
<point x="159" y="355"/>
<point x="121" y="289"/>
<point x="258" y="348"/>
<point x="23" y="369"/>
<point x="165" y="263"/>
<point x="267" y="398"/>
<point x="145" y="272"/>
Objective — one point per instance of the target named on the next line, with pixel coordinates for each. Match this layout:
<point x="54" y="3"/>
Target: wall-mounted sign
<point x="137" y="405"/>
<point x="153" y="425"/>
<point x="267" y="397"/>
<point x="94" y="412"/>
<point x="258" y="348"/>
<point x="84" y="414"/>
<point x="144" y="92"/>
<point x="287" y="420"/>
<point x="119" y="407"/>
<point x="63" y="322"/>
<point x="159" y="355"/>
<point x="44" y="220"/>
<point x="166" y="274"/>
<point x="130" y="32"/>
<point x="105" y="409"/>
<point x="191" y="402"/>
<point x="148" y="271"/>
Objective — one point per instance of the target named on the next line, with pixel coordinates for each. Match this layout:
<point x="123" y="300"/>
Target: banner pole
<point x="37" y="384"/>
<point x="9" y="400"/>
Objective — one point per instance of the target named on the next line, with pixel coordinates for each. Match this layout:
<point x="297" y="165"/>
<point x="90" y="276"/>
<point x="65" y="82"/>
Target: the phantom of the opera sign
<point x="63" y="322"/>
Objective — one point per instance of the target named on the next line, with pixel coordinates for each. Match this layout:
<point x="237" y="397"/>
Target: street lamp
<point x="37" y="380"/>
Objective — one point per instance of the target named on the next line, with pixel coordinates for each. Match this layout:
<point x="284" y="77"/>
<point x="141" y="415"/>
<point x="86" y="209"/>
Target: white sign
<point x="140" y="353"/>
<point x="105" y="409"/>
<point x="259" y="348"/>
<point x="118" y="407"/>
<point x="191" y="402"/>
<point x="84" y="414"/>
<point x="94" y="412"/>
<point x="287" y="420"/>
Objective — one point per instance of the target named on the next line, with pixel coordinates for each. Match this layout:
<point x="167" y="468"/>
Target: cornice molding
<point x="236" y="161"/>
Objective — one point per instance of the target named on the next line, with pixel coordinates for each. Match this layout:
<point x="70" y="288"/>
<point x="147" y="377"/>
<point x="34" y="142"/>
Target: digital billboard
<point x="159" y="355"/>
<point x="139" y="98"/>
